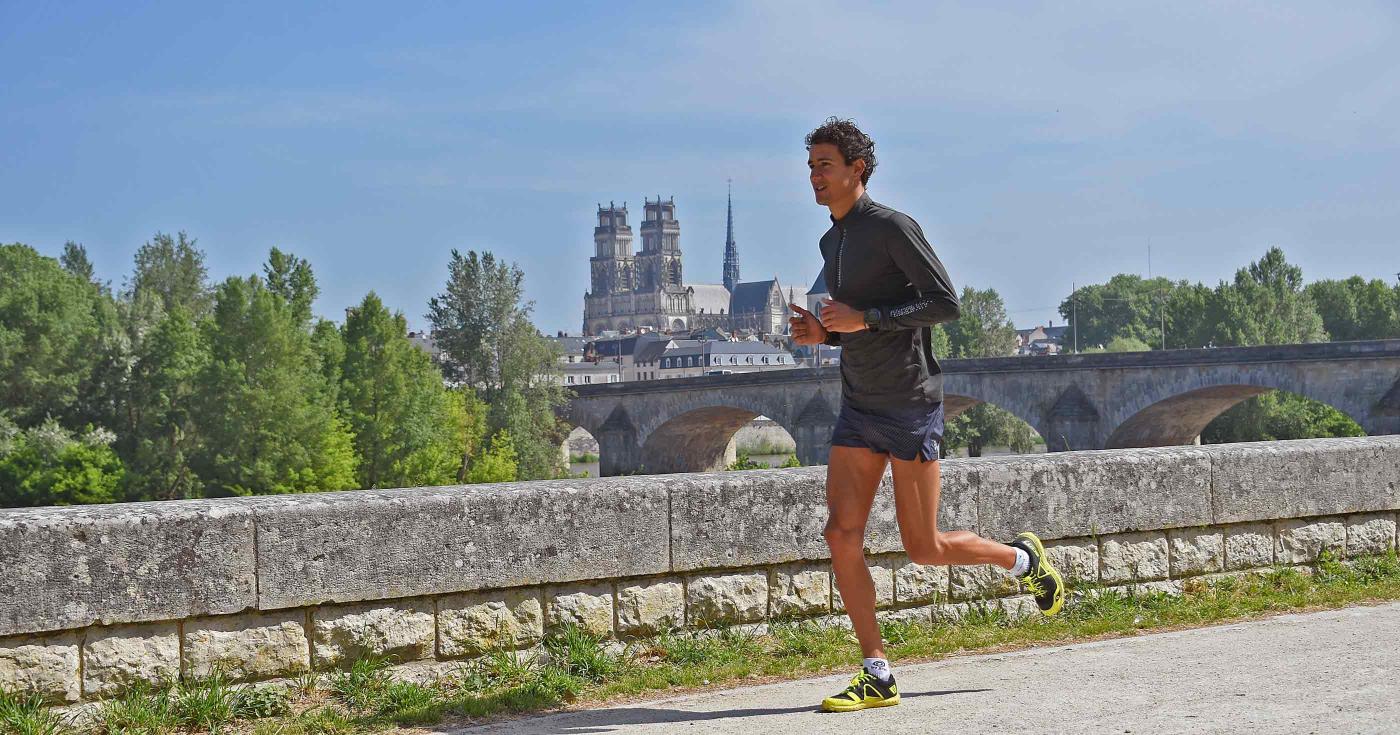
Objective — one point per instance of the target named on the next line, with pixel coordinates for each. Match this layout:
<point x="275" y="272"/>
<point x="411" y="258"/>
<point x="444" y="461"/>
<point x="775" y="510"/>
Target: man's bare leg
<point x="916" y="487"/>
<point x="852" y="477"/>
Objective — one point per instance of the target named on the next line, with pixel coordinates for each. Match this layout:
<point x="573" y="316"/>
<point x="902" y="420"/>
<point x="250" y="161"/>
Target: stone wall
<point x="93" y="599"/>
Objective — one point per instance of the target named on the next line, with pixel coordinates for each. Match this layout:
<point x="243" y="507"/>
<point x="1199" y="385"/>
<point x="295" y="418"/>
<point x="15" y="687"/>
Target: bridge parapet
<point x="96" y="598"/>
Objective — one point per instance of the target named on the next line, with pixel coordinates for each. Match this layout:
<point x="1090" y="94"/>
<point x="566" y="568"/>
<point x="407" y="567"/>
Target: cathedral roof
<point x="711" y="298"/>
<point x="819" y="285"/>
<point x="753" y="296"/>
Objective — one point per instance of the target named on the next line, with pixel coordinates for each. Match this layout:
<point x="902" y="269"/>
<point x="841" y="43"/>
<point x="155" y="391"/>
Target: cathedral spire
<point x="731" y="251"/>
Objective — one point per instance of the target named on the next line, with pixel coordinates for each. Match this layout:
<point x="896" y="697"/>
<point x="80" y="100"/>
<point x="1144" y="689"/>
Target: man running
<point x="887" y="290"/>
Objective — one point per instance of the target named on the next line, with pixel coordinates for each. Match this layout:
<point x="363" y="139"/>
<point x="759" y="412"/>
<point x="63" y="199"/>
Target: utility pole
<point x="1074" y="312"/>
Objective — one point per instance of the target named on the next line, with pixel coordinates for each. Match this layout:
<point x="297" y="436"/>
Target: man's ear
<point x="859" y="166"/>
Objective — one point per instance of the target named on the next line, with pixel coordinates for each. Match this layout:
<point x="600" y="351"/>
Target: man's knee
<point x="844" y="537"/>
<point x="930" y="552"/>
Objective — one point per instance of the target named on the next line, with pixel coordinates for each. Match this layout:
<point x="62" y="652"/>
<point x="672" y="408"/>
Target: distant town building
<point x="1048" y="340"/>
<point x="690" y="358"/>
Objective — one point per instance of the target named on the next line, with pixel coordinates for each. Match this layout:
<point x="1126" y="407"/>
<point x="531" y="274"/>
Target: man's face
<point x="832" y="179"/>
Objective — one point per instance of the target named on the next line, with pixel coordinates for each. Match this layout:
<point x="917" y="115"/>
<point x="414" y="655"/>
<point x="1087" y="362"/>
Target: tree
<point x="160" y="437"/>
<point x="497" y="463"/>
<point x="1278" y="415"/>
<point x="983" y="330"/>
<point x="407" y="430"/>
<point x="48" y="336"/>
<point x="1266" y="305"/>
<point x="172" y="270"/>
<point x="48" y="465"/>
<point x="75" y="261"/>
<point x="1357" y="309"/>
<point x="482" y="323"/>
<point x="291" y="278"/>
<point x="267" y="418"/>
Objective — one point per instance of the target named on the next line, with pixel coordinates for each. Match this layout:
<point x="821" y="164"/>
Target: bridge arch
<point x="956" y="404"/>
<point x="1181" y="417"/>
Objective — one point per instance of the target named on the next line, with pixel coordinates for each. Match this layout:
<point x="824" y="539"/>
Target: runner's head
<point x="840" y="158"/>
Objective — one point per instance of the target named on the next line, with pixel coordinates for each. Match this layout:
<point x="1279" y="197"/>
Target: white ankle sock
<point x="878" y="668"/>
<point x="1023" y="562"/>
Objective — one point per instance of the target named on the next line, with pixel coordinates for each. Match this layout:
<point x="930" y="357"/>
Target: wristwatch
<point x="872" y="319"/>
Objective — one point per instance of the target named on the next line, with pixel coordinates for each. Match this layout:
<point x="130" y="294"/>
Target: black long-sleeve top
<point x="877" y="257"/>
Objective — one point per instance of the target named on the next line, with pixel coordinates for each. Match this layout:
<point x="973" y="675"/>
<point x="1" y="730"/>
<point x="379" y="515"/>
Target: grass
<point x="583" y="458"/>
<point x="577" y="667"/>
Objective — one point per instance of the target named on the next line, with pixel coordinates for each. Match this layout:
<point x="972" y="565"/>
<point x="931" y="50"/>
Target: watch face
<point x="872" y="317"/>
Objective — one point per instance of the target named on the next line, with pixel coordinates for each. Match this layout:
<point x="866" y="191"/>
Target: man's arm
<point x="937" y="301"/>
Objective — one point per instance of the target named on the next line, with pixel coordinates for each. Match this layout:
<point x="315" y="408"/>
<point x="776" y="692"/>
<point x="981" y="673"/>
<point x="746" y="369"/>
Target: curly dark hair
<point x="848" y="139"/>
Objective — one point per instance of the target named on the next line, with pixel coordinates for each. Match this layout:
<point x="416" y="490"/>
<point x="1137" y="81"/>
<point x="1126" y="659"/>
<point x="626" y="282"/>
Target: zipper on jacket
<point x="840" y="250"/>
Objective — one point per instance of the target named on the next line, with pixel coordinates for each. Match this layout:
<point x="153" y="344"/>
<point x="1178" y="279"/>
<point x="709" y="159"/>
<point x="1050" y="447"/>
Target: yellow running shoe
<point x="866" y="690"/>
<point x="1041" y="580"/>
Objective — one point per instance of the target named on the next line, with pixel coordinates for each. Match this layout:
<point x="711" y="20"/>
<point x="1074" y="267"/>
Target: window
<point x="571" y="380"/>
<point x="733" y="359"/>
<point x="765" y="360"/>
<point x="749" y="359"/>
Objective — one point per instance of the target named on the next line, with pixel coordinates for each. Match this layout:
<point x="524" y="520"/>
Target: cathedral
<point x="631" y="291"/>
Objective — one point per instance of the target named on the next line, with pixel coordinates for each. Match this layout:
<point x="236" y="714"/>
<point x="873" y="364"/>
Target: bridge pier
<point x="619" y="452"/>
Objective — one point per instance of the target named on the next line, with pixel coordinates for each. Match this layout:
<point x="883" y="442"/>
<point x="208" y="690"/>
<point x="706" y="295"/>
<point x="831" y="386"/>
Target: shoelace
<point x="856" y="681"/>
<point x="1033" y="585"/>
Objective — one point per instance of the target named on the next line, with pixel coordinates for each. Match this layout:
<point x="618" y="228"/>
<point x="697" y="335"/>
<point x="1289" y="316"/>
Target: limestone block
<point x="476" y="622"/>
<point x="1129" y="557"/>
<point x="922" y="615"/>
<point x="1196" y="551"/>
<point x="1072" y="494"/>
<point x="1301" y="540"/>
<point x="400" y="629"/>
<point x="1173" y="587"/>
<point x="800" y="590"/>
<point x="43" y="665"/>
<point x="1370" y="533"/>
<point x="958" y="611"/>
<point x="119" y="657"/>
<point x="71" y="567"/>
<point x="919" y="583"/>
<point x="981" y="582"/>
<point x="648" y="607"/>
<point x="1076" y="559"/>
<point x="1308" y="477"/>
<point x="382" y="544"/>
<point x="1019" y="607"/>
<point x="1249" y="546"/>
<point x="588" y="606"/>
<point x="882" y="574"/>
<point x="248" y="646"/>
<point x="727" y="598"/>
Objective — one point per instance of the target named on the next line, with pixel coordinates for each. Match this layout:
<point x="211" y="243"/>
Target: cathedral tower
<point x="731" y="250"/>
<point x="659" y="263"/>
<point x="614" y="268"/>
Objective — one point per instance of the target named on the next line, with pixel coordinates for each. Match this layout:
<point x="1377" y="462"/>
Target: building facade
<point x="646" y="290"/>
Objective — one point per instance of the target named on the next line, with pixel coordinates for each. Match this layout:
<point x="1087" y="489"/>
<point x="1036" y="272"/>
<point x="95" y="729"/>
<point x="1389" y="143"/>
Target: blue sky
<point x="1038" y="146"/>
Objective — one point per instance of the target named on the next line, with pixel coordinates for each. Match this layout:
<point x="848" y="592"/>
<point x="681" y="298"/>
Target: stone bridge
<point x="1098" y="401"/>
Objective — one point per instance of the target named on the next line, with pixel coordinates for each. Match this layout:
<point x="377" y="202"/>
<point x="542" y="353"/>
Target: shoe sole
<point x="855" y="706"/>
<point x="1054" y="573"/>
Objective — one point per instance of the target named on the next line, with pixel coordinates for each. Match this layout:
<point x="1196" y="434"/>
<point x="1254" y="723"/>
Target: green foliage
<point x="409" y="428"/>
<point x="266" y="414"/>
<point x="48" y="331"/>
<point x="482" y="323"/>
<point x="1266" y="305"/>
<point x="985" y="425"/>
<point x="581" y="654"/>
<point x="1279" y="415"/>
<point x="498" y="463"/>
<point x="1357" y="309"/>
<point x="171" y="271"/>
<point x="159" y="435"/>
<point x="251" y="703"/>
<point x="22" y="714"/>
<point x="790" y="461"/>
<point x="982" y="329"/>
<point x="743" y="462"/>
<point x="47" y="465"/>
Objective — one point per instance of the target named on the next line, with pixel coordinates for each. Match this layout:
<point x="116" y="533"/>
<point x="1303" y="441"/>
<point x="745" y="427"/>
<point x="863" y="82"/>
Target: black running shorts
<point x="904" y="433"/>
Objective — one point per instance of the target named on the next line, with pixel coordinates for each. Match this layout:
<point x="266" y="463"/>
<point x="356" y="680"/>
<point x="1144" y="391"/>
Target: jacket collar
<point x="859" y="208"/>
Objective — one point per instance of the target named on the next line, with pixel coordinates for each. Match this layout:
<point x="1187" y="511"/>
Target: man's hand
<point x="838" y="317"/>
<point x="805" y="327"/>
